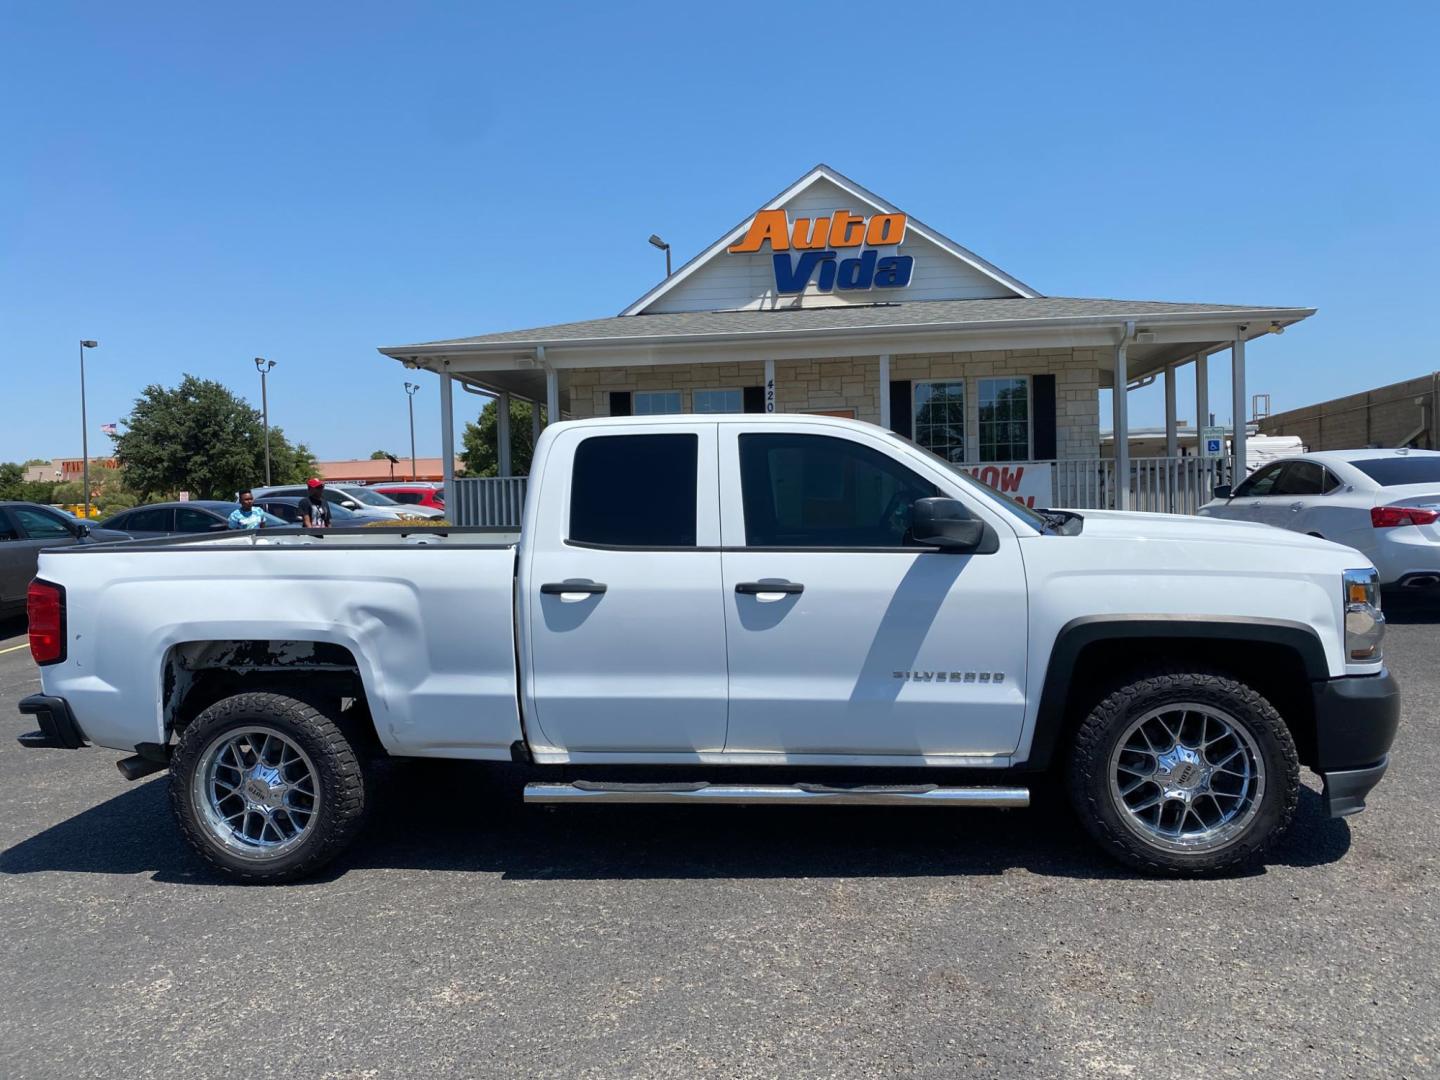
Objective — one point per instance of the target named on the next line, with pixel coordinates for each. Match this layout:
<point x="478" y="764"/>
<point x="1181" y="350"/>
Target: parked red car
<point x="414" y="493"/>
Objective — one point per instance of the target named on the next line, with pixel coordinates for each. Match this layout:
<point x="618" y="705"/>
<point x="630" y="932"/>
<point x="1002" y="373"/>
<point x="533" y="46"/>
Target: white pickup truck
<point x="794" y="610"/>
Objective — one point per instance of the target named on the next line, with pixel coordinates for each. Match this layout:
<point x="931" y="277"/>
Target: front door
<point x="844" y="637"/>
<point x="622" y="604"/>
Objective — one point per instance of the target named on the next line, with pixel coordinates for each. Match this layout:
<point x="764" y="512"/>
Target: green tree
<point x="380" y="455"/>
<point x="12" y="476"/>
<point x="479" y="440"/>
<point x="202" y="438"/>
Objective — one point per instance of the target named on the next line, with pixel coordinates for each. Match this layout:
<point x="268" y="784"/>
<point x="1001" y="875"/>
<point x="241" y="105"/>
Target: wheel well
<point x="1275" y="670"/>
<point x="199" y="673"/>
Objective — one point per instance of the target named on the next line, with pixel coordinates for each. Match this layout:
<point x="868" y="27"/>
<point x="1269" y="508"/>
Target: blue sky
<point x="195" y="184"/>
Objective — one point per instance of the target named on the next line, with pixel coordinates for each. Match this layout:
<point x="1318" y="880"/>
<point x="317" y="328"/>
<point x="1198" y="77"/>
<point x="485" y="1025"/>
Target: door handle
<point x="559" y="588"/>
<point x="1296" y="506"/>
<point x="755" y="588"/>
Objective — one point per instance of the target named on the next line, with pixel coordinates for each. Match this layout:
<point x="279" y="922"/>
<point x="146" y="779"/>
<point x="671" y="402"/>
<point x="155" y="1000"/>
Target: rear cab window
<point x="635" y="491"/>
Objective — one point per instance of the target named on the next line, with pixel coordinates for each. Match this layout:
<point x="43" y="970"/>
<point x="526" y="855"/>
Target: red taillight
<point x="45" y="606"/>
<point x="1387" y="517"/>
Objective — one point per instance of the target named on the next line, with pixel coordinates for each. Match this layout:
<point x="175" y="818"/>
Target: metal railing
<point x="1161" y="485"/>
<point x="1165" y="485"/>
<point x="491" y="500"/>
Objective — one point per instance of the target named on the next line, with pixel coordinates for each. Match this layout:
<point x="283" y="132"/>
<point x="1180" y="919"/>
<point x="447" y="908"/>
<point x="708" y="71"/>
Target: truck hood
<point x="1127" y="525"/>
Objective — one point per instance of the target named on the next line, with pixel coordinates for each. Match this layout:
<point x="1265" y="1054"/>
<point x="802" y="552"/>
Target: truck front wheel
<point x="267" y="787"/>
<point x="1184" y="773"/>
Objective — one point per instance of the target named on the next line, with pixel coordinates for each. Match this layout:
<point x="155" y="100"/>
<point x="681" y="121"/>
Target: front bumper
<point x="58" y="728"/>
<point x="1355" y="722"/>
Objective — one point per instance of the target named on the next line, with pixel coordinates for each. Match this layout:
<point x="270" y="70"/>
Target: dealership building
<point x="830" y="299"/>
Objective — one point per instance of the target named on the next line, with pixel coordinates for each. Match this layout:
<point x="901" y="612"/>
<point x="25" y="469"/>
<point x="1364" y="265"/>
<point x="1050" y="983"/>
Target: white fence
<point x="1162" y="485"/>
<point x="496" y="501"/>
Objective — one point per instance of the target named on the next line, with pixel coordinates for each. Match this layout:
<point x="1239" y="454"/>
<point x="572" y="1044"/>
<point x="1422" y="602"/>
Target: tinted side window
<point x="158" y="520"/>
<point x="819" y="491"/>
<point x="1300" y="478"/>
<point x="281" y="510"/>
<point x="1261" y="482"/>
<point x="40" y="525"/>
<point x="410" y="498"/>
<point x="7" y="531"/>
<point x="193" y="521"/>
<point x="635" y="490"/>
<point x="1331" y="482"/>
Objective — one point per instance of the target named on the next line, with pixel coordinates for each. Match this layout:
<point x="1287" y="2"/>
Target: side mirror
<point x="945" y="524"/>
<point x="82" y="530"/>
<point x="1223" y="491"/>
<point x="349" y="504"/>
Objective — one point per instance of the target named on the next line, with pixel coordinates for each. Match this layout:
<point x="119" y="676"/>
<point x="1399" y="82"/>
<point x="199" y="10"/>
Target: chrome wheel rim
<point x="257" y="792"/>
<point x="1187" y="777"/>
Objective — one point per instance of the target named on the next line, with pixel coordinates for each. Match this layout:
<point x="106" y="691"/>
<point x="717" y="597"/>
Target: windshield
<point x="1397" y="471"/>
<point x="1004" y="502"/>
<point x="368" y="497"/>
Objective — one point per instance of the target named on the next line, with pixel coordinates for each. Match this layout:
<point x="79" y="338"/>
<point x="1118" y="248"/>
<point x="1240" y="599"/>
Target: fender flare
<point x="1079" y="633"/>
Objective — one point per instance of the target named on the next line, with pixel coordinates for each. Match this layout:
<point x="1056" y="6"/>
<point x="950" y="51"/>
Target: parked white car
<point x="368" y="505"/>
<point x="1384" y="503"/>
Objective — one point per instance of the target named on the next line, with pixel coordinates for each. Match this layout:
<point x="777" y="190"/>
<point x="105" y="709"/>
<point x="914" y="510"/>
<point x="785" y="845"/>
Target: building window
<point x="1005" y="419"/>
<point x="717" y="401"/>
<point x="938" y="413"/>
<point x="656" y="402"/>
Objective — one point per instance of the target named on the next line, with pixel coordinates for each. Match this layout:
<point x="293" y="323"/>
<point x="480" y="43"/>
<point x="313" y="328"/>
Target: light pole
<point x="410" y="389"/>
<point x="263" y="366"/>
<point x="663" y="247"/>
<point x="85" y="427"/>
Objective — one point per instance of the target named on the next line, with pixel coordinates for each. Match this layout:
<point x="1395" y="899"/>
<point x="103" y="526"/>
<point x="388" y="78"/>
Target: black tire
<point x="1101" y="808"/>
<point x="339" y="771"/>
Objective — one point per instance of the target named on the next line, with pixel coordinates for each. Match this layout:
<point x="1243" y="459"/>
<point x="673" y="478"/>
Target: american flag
<point x="109" y="429"/>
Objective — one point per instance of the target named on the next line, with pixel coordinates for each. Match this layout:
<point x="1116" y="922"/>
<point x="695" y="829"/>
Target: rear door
<point x="17" y="565"/>
<point x="620" y="593"/>
<point x="1299" y="495"/>
<point x="844" y="636"/>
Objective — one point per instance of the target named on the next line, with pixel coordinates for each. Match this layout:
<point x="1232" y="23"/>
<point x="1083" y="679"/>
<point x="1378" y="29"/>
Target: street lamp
<point x="264" y="366"/>
<point x="410" y="389"/>
<point x="657" y="242"/>
<point x="85" y="427"/>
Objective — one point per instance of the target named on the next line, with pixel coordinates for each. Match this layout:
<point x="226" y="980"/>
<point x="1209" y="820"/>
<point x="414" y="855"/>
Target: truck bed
<point x="427" y="615"/>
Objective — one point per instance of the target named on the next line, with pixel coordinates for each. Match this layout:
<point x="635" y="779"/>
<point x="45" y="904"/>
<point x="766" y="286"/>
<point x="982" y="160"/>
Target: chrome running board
<point x="588" y="791"/>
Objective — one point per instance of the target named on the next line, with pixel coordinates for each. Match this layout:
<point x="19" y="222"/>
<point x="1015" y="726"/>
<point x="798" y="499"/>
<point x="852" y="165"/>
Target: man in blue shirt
<point x="249" y="516"/>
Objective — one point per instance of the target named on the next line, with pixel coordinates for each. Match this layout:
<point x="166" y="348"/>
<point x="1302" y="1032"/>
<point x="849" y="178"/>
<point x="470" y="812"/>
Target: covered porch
<point x="1082" y="346"/>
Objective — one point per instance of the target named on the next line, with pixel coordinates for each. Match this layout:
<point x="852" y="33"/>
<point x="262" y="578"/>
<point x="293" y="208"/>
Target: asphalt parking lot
<point x="468" y="935"/>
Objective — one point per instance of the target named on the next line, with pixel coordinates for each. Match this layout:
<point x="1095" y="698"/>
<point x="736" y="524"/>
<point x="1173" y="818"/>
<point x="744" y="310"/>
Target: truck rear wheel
<point x="1184" y="773"/>
<point x="267" y="787"/>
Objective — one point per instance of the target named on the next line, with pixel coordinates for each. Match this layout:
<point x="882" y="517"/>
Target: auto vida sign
<point x="832" y="253"/>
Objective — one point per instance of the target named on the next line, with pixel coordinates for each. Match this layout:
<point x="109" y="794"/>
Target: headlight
<point x="1364" y="623"/>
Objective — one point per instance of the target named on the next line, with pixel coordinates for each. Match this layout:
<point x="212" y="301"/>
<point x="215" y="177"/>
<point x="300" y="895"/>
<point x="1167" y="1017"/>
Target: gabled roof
<point x="820" y="173"/>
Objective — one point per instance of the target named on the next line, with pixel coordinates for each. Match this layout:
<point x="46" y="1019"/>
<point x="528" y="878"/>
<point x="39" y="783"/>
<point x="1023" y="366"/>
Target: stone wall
<point x="854" y="383"/>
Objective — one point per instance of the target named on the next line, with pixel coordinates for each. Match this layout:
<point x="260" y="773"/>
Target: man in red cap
<point x="314" y="510"/>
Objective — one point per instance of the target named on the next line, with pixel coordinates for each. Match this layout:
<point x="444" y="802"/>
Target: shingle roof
<point x="924" y="313"/>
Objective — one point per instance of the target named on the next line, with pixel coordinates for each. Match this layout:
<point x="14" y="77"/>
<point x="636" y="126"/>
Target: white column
<point x="502" y="432"/>
<point x="552" y="396"/>
<point x="1238" y="402"/>
<point x="534" y="422"/>
<point x="885" y="391"/>
<point x="447" y="445"/>
<point x="1172" y="423"/>
<point x="770" y="386"/>
<point x="1202" y="392"/>
<point x="1121" y="414"/>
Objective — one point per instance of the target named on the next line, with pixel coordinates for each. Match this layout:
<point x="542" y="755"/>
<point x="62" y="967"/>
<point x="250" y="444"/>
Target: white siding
<point x="730" y="282"/>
